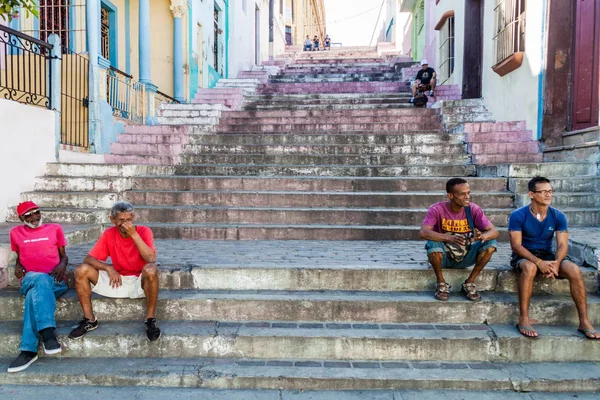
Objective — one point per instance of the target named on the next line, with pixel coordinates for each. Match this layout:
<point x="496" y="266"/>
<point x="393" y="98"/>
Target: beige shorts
<point x="131" y="287"/>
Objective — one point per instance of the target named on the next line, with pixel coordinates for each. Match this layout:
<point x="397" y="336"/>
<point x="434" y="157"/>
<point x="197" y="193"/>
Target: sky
<point x="352" y="21"/>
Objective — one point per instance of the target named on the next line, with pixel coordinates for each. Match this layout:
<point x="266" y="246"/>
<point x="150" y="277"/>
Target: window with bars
<point x="216" y="53"/>
<point x="509" y="39"/>
<point x="446" y="51"/>
<point x="420" y="17"/>
<point x="54" y="18"/>
<point x="105" y="33"/>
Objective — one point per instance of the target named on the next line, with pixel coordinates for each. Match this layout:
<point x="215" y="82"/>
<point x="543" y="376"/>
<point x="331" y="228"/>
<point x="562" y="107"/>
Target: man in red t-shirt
<point x="132" y="274"/>
<point x="41" y="265"/>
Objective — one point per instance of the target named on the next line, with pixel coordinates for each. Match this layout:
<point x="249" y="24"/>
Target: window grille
<point x="446" y="50"/>
<point x="510" y="28"/>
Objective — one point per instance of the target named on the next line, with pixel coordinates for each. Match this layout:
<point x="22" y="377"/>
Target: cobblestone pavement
<point x="282" y="253"/>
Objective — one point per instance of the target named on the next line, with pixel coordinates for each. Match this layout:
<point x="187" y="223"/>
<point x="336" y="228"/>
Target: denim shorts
<point x="470" y="258"/>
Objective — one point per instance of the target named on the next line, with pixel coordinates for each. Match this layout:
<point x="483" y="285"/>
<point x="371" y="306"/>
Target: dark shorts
<point x="470" y="258"/>
<point x="545" y="255"/>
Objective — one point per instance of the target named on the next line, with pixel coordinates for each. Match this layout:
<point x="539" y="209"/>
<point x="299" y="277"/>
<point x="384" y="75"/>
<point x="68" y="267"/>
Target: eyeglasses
<point x="30" y="213"/>
<point x="543" y="192"/>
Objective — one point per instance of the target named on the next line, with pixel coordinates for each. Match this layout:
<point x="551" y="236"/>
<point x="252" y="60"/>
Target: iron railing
<point x="164" y="98"/>
<point x="510" y="28"/>
<point x="446" y="49"/>
<point x="25" y="68"/>
<point x="126" y="96"/>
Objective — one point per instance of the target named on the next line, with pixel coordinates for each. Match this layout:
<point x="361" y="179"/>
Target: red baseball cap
<point x="25" y="207"/>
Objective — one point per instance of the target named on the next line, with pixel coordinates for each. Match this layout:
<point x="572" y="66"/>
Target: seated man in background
<point x="531" y="229"/>
<point x="132" y="274"/>
<point x="41" y="265"/>
<point x="316" y="43"/>
<point x="458" y="235"/>
<point x="425" y="80"/>
<point x="308" y="44"/>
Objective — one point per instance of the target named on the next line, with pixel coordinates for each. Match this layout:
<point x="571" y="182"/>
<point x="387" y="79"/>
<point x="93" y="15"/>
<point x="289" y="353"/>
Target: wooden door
<point x="586" y="64"/>
<point x="473" y="58"/>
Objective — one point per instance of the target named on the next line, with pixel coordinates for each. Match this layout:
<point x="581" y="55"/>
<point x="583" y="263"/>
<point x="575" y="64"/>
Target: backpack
<point x="420" y="100"/>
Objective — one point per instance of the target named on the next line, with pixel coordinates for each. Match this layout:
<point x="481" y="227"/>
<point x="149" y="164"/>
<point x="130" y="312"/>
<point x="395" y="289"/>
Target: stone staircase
<point x="300" y="269"/>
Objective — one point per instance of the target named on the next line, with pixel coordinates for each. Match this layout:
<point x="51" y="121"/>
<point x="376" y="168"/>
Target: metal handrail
<point x="173" y="99"/>
<point x="31" y="39"/>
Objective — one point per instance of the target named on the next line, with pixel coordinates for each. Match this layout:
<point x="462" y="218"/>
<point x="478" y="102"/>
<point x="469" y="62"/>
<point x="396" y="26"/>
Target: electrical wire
<point x="377" y="22"/>
<point x="347" y="18"/>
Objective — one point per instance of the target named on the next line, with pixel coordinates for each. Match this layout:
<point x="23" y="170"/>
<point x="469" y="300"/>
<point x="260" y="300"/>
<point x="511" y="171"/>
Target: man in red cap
<point x="41" y="265"/>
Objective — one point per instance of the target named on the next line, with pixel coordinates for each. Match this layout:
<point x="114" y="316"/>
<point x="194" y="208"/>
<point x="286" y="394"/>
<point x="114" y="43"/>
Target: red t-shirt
<point x="123" y="252"/>
<point x="38" y="247"/>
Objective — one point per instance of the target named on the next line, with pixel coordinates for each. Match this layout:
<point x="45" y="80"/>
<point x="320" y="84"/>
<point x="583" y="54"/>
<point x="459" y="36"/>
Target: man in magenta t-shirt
<point x="446" y="223"/>
<point x="132" y="274"/>
<point x="41" y="265"/>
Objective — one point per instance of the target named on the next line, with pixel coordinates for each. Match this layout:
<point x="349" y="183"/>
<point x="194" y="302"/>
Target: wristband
<point x="537" y="264"/>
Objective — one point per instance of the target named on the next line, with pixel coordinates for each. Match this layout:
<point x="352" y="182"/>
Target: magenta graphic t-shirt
<point x="38" y="247"/>
<point x="443" y="220"/>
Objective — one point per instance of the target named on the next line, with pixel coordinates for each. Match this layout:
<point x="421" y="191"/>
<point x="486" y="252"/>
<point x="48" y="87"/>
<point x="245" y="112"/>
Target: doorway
<point x="473" y="59"/>
<point x="257" y="36"/>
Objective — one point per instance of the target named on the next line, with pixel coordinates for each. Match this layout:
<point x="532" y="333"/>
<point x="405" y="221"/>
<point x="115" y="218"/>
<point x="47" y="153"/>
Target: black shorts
<point x="544" y="255"/>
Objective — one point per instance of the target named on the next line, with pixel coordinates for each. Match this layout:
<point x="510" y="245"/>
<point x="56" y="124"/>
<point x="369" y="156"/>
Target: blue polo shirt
<point x="537" y="235"/>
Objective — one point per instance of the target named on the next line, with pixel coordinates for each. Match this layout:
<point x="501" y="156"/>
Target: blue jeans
<point x="470" y="258"/>
<point x="40" y="291"/>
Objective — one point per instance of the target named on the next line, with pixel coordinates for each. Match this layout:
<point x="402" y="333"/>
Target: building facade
<point x="531" y="60"/>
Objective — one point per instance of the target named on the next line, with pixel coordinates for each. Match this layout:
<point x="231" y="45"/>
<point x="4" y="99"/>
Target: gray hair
<point x="119" y="207"/>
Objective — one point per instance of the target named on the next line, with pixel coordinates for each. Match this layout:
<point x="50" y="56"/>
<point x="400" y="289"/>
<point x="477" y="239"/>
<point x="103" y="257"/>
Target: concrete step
<point x="102" y="200"/>
<point x="492" y="159"/>
<point x="316" y="342"/>
<point x="529" y="170"/>
<point x="581" y="152"/>
<point x="328" y="139"/>
<point x="156" y="130"/>
<point x="158" y="139"/>
<point x="105" y="170"/>
<point x="457" y="104"/>
<point x="199" y="231"/>
<point x="332" y="127"/>
<point x="447" y="148"/>
<point x="141" y="159"/>
<point x="313" y="184"/>
<point x="331" y="78"/>
<point x="310" y="160"/>
<point x="499" y="137"/>
<point x="581" y="136"/>
<point x="304" y="199"/>
<point x="565" y="200"/>
<point x="466" y="118"/>
<point x="342" y="120"/>
<point x="315" y="266"/>
<point x="450" y="170"/>
<point x="422" y="112"/>
<point x="343" y="87"/>
<point x="342" y="106"/>
<point x="326" y="96"/>
<point x="148" y="149"/>
<point x="574" y="184"/>
<point x="191" y="120"/>
<point x="193" y="378"/>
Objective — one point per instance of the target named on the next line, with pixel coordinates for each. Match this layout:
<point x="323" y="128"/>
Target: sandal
<point x="442" y="291"/>
<point x="588" y="332"/>
<point x="524" y="329"/>
<point x="470" y="291"/>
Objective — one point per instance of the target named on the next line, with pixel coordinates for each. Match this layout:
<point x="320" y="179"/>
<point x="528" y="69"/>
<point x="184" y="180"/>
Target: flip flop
<point x="586" y="331"/>
<point x="521" y="330"/>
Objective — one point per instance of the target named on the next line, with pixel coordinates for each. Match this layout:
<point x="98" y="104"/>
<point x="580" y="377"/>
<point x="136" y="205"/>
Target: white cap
<point x="424" y="62"/>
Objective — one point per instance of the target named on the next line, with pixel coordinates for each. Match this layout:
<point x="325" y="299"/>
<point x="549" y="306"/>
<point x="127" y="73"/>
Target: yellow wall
<point x="161" y="50"/>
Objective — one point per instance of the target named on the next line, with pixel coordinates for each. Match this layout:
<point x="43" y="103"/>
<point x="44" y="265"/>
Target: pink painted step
<point x="498" y="137"/>
<point x="140" y="159"/>
<point x="495" y="126"/>
<point x="157" y="129"/>
<point x="332" y="128"/>
<point x="490" y="159"/>
<point x="146" y="149"/>
<point x="344" y="87"/>
<point x="153" y="139"/>
<point x="382" y="113"/>
<point x="531" y="147"/>
<point x="398" y="119"/>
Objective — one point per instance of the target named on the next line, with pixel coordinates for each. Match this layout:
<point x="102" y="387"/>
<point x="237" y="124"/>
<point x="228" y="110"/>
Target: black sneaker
<point x="51" y="345"/>
<point x="25" y="359"/>
<point x="152" y="331"/>
<point x="82" y="328"/>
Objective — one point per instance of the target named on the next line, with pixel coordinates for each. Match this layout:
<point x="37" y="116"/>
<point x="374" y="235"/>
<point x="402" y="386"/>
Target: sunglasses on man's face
<point x="30" y="213"/>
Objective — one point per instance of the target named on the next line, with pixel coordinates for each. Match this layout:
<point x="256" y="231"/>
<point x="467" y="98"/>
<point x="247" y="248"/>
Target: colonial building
<point x="531" y="60"/>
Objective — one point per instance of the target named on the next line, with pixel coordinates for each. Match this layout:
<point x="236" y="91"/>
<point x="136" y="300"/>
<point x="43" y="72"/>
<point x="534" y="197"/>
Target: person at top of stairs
<point x="425" y="80"/>
<point x="531" y="229"/>
<point x="308" y="44"/>
<point x="316" y="43"/>
<point x="132" y="274"/>
<point x="327" y="43"/>
<point x="458" y="235"/>
<point x="41" y="265"/>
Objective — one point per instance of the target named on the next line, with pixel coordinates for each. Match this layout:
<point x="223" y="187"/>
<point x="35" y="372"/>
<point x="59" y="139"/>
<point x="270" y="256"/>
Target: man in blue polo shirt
<point x="531" y="230"/>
